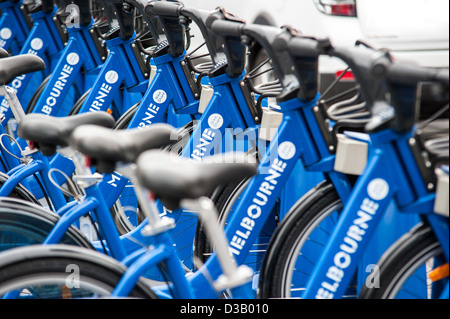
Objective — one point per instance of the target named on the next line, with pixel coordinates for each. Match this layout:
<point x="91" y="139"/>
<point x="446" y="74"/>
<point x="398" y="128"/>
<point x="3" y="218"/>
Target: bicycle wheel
<point x="79" y="103"/>
<point x="298" y="243"/>
<point x="23" y="224"/>
<point x="61" y="272"/>
<point x="19" y="191"/>
<point x="406" y="269"/>
<point x="36" y="95"/>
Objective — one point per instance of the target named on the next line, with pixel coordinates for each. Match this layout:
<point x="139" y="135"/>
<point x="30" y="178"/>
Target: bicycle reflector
<point x="438" y="273"/>
<point x="345" y="75"/>
<point x="346" y="8"/>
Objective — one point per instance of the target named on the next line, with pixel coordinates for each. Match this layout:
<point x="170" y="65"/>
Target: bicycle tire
<point x="79" y="103"/>
<point x="281" y="275"/>
<point x="19" y="191"/>
<point x="403" y="267"/>
<point x="35" y="97"/>
<point x="23" y="223"/>
<point x="60" y="272"/>
<point x="123" y="121"/>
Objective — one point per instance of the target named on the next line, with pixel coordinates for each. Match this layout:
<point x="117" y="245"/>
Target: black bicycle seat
<point x="3" y="53"/>
<point x="11" y="67"/>
<point x="173" y="178"/>
<point x="48" y="132"/>
<point x="107" y="147"/>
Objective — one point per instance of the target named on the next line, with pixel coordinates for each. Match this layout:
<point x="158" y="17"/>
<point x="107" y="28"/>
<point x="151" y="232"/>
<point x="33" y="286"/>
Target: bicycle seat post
<point x="147" y="203"/>
<point x="233" y="276"/>
<point x="84" y="176"/>
<point x="13" y="102"/>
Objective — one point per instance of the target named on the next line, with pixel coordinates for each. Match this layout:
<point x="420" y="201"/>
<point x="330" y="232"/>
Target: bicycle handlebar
<point x="168" y="14"/>
<point x="47" y="6"/>
<point x="285" y="47"/>
<point x="163" y="8"/>
<point x="200" y="18"/>
<point x="409" y="74"/>
<point x="233" y="47"/>
<point x="226" y="28"/>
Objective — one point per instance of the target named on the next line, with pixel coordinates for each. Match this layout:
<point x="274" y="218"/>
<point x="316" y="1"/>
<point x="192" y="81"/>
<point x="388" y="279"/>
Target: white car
<point x="413" y="30"/>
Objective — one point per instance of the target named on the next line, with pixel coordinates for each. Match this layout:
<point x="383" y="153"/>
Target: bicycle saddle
<point x="11" y="67"/>
<point x="3" y="53"/>
<point x="48" y="132"/>
<point x="107" y="147"/>
<point x="174" y="178"/>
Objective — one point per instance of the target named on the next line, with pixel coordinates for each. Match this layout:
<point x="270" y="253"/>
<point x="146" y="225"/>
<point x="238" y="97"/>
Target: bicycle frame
<point x="39" y="165"/>
<point x="44" y="41"/>
<point x="169" y="98"/>
<point x="94" y="203"/>
<point x="13" y="25"/>
<point x="79" y="52"/>
<point x="258" y="199"/>
<point x="391" y="174"/>
<point x="229" y="108"/>
<point x="120" y="67"/>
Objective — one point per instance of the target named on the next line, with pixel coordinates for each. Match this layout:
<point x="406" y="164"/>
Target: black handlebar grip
<point x="307" y="47"/>
<point x="167" y="9"/>
<point x="227" y="28"/>
<point x="411" y="74"/>
<point x="48" y="6"/>
<point x="407" y="74"/>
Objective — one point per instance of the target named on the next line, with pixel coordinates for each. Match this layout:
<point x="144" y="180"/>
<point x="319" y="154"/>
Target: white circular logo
<point x="5" y="33"/>
<point x="286" y="150"/>
<point x="215" y="121"/>
<point x="36" y="44"/>
<point x="378" y="189"/>
<point x="73" y="58"/>
<point x="160" y="96"/>
<point x="111" y="77"/>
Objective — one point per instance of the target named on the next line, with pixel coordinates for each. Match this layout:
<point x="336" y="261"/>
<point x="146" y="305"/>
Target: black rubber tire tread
<point x="79" y="103"/>
<point x="221" y="198"/>
<point x="301" y="214"/>
<point x="123" y="122"/>
<point x="19" y="191"/>
<point x="418" y="242"/>
<point x="32" y="104"/>
<point x="106" y="273"/>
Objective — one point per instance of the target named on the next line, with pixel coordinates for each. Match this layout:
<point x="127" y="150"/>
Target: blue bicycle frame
<point x="14" y="27"/>
<point x="258" y="199"/>
<point x="79" y="52"/>
<point x="43" y="41"/>
<point x="120" y="67"/>
<point x="21" y="172"/>
<point x="391" y="174"/>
